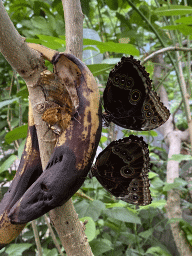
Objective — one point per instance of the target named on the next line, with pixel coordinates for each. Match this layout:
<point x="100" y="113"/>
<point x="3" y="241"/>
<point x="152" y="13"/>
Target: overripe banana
<point x="79" y="132"/>
<point x="29" y="170"/>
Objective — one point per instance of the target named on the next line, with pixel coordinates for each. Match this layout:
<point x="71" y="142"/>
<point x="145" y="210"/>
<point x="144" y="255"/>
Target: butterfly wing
<point x="122" y="169"/>
<point x="129" y="100"/>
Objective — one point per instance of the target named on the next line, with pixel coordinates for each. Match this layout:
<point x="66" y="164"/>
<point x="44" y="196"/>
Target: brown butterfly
<point x="129" y="100"/>
<point x="122" y="169"/>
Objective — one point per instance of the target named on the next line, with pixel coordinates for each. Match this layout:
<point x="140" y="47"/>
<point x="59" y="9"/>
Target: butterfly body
<point x="129" y="100"/>
<point x="122" y="169"/>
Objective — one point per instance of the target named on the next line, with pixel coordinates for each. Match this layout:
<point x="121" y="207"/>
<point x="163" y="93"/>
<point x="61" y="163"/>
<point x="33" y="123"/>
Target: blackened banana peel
<point x="73" y="155"/>
<point x="33" y="193"/>
<point x="29" y="170"/>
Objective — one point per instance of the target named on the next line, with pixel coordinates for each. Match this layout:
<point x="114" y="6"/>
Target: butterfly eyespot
<point x="154" y="120"/>
<point x="135" y="97"/>
<point x="129" y="158"/>
<point x="146" y="107"/>
<point x="123" y="80"/>
<point x="125" y="180"/>
<point x="129" y="105"/>
<point x="135" y="197"/>
<point x="116" y="80"/>
<point x="130" y="82"/>
<point x="126" y="172"/>
<point x="148" y="113"/>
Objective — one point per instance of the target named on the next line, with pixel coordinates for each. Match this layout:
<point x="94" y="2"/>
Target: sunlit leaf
<point x="7" y="102"/>
<point x="7" y="163"/>
<point x="173" y="10"/>
<point x="179" y="157"/>
<point x="90" y="230"/>
<point x="123" y="214"/>
<point x="17" y="133"/>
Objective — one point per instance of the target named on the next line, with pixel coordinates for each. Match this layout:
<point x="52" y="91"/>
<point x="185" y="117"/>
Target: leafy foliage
<point x="114" y="227"/>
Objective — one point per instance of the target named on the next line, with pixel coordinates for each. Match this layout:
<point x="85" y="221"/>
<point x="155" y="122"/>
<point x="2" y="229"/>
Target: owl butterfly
<point x="129" y="100"/>
<point x="59" y="109"/>
<point x="122" y="169"/>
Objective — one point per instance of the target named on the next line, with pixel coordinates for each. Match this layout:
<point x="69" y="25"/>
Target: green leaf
<point x="99" y="69"/>
<point x="178" y="184"/>
<point x="23" y="93"/>
<point x="148" y="133"/>
<point x="186" y="166"/>
<point x="156" y="250"/>
<point x="113" y="4"/>
<point x="52" y="252"/>
<point x="170" y="186"/>
<point x="111" y="61"/>
<point x="7" y="102"/>
<point x="48" y="41"/>
<point x="90" y="48"/>
<point x="7" y="163"/>
<point x="17" y="249"/>
<point x="173" y="10"/>
<point x="60" y="40"/>
<point x="157" y="182"/>
<point x="132" y="252"/>
<point x="185" y="20"/>
<point x="174" y="220"/>
<point x="187" y="229"/>
<point x="179" y="157"/>
<point x="51" y="42"/>
<point x="85" y="7"/>
<point x="181" y="182"/>
<point x="184" y="29"/>
<point x="160" y="204"/>
<point x="100" y="246"/>
<point x="17" y="133"/>
<point x="113" y="205"/>
<point x="21" y="148"/>
<point x="103" y="139"/>
<point x="146" y="234"/>
<point x="112" y="47"/>
<point x="124" y="20"/>
<point x="94" y="209"/>
<point x="40" y="23"/>
<point x="123" y="214"/>
<point x="90" y="230"/>
<point x="152" y="175"/>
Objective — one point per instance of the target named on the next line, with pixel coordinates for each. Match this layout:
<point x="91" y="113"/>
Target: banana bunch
<point x="72" y="110"/>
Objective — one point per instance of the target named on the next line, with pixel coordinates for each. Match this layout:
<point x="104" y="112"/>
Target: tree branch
<point x="64" y="218"/>
<point x="73" y="27"/>
<point x="173" y="138"/>
<point x="29" y="64"/>
<point x="171" y="48"/>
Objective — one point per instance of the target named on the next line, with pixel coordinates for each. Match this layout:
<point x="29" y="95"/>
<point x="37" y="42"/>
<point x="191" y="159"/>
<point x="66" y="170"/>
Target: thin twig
<point x="171" y="48"/>
<point x="83" y="195"/>
<point x="16" y="143"/>
<point x="53" y="235"/>
<point x="37" y="240"/>
<point x="174" y="113"/>
<point x="185" y="98"/>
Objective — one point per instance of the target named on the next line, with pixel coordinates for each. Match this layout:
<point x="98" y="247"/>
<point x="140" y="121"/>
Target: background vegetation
<point x="124" y="27"/>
